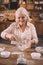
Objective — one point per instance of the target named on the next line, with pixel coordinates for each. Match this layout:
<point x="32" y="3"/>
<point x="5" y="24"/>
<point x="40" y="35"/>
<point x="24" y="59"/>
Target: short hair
<point x="23" y="11"/>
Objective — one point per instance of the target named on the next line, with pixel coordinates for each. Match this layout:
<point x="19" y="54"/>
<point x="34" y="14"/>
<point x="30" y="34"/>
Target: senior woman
<point x="21" y="30"/>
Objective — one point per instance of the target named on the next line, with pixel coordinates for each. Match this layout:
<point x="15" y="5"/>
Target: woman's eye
<point x="23" y="17"/>
<point x="18" y="17"/>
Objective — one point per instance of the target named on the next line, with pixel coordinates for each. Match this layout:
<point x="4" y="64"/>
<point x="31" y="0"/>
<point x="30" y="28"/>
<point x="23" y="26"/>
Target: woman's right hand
<point x="12" y="37"/>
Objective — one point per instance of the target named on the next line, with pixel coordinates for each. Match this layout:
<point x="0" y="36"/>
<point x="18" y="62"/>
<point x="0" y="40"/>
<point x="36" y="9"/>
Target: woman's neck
<point x="23" y="27"/>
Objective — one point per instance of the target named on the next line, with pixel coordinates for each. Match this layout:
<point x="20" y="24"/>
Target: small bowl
<point x="5" y="54"/>
<point x="35" y="55"/>
<point x="39" y="49"/>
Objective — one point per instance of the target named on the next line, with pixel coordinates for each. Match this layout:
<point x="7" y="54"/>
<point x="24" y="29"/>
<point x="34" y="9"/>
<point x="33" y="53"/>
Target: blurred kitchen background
<point x="35" y="9"/>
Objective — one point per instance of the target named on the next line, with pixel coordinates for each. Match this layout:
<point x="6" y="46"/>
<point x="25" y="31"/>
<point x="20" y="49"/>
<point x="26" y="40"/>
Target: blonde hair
<point x="23" y="11"/>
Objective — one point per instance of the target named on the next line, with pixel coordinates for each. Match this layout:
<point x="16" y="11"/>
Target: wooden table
<point x="13" y="58"/>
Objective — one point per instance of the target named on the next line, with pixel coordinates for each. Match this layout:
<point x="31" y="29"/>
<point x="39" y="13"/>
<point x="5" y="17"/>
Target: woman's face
<point x="21" y="19"/>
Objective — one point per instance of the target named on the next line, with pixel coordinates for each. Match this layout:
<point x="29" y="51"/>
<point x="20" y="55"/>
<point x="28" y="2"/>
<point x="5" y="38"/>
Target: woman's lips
<point x="20" y="24"/>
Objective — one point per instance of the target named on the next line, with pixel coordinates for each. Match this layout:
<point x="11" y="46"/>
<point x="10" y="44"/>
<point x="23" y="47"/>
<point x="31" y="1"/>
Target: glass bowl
<point x="35" y="55"/>
<point x="5" y="54"/>
<point x="39" y="49"/>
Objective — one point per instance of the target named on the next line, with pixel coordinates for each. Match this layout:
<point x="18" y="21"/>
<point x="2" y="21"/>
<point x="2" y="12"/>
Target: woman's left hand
<point x="29" y="44"/>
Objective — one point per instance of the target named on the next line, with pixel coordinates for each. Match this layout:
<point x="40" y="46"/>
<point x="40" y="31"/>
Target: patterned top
<point x="29" y="33"/>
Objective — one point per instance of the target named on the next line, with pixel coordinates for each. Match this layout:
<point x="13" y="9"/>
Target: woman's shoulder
<point x="30" y="24"/>
<point x="13" y="23"/>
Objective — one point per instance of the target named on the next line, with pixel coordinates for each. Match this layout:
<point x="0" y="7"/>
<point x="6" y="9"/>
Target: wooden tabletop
<point x="12" y="60"/>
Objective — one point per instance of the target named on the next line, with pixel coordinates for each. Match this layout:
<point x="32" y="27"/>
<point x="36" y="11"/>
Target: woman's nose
<point x="21" y="19"/>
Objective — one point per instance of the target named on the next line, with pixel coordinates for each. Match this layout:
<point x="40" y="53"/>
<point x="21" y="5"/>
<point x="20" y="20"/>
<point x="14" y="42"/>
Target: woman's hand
<point x="12" y="37"/>
<point x="29" y="43"/>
